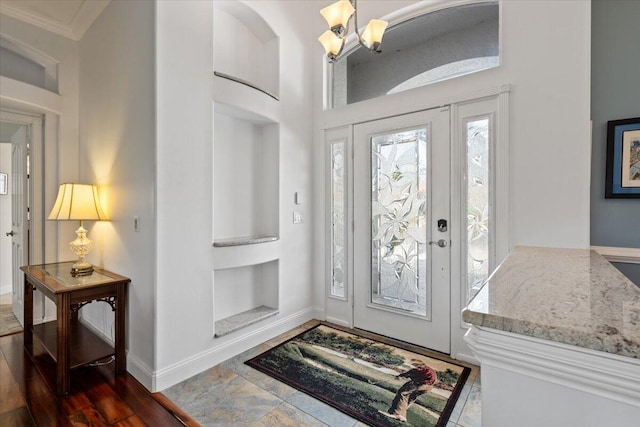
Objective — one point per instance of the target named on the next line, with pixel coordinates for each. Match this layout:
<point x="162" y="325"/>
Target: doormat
<point x="376" y="383"/>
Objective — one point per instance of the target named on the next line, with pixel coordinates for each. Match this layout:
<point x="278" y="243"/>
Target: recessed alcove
<point x="246" y="48"/>
<point x="246" y="168"/>
<point x="246" y="178"/>
<point x="244" y="296"/>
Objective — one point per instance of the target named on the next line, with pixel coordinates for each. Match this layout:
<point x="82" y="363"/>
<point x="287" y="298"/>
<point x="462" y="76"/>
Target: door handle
<point x="442" y="243"/>
<point x="11" y="233"/>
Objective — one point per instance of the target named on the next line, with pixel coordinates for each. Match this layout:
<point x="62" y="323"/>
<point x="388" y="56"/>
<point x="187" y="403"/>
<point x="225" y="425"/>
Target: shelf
<point x="241" y="241"/>
<point x="243" y="101"/>
<point x="244" y="255"/>
<point x="244" y="319"/>
<point x="85" y="346"/>
<point x="246" y="83"/>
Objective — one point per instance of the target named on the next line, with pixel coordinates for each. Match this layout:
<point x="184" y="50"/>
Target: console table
<point x="70" y="343"/>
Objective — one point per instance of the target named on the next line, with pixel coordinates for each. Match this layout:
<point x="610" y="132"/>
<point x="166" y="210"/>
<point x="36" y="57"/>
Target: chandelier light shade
<point x="372" y="34"/>
<point x="337" y="16"/>
<point x="78" y="202"/>
<point x="332" y="44"/>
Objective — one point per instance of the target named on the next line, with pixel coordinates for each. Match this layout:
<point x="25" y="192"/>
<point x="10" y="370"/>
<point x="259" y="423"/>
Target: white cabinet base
<point x="529" y="382"/>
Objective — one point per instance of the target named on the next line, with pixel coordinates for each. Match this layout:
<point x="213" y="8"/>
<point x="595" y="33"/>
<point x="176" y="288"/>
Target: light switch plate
<point x="297" y="217"/>
<point x="298" y="198"/>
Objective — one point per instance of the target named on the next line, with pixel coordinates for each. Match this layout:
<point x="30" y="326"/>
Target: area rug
<point x="376" y="383"/>
<point x="8" y="322"/>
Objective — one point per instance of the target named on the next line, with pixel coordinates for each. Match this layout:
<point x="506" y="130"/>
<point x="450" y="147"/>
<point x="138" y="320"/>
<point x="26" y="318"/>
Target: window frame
<point x="396" y="18"/>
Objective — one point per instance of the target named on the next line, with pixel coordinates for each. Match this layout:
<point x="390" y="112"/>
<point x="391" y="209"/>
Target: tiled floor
<point x="233" y="394"/>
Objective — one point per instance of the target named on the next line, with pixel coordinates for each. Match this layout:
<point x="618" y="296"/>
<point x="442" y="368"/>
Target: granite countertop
<point x="571" y="296"/>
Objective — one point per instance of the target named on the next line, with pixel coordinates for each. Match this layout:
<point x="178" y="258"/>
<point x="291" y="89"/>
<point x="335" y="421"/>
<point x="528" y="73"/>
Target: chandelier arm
<point x="355" y="17"/>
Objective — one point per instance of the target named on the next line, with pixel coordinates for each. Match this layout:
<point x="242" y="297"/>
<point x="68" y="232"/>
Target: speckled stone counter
<point x="571" y="296"/>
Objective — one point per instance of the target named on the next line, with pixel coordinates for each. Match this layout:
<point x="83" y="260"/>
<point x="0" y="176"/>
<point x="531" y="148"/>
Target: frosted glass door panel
<point x="399" y="218"/>
<point x="478" y="206"/>
<point x="338" y="258"/>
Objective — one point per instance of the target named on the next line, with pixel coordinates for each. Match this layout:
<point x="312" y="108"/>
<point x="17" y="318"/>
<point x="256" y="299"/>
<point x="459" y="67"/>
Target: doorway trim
<point x="21" y="98"/>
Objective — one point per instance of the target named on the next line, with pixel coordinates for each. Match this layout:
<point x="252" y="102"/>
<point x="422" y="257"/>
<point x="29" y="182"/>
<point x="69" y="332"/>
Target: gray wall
<point x="615" y="94"/>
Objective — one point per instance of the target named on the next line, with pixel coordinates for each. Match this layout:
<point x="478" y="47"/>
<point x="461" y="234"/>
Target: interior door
<point x="19" y="221"/>
<point x="401" y="231"/>
<point x="17" y="129"/>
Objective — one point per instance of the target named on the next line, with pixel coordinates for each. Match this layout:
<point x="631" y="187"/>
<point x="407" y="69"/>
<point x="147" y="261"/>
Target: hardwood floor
<point x="97" y="396"/>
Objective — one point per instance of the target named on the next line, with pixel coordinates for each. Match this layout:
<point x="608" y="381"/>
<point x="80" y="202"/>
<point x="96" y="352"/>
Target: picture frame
<point x="4" y="183"/>
<point x="623" y="159"/>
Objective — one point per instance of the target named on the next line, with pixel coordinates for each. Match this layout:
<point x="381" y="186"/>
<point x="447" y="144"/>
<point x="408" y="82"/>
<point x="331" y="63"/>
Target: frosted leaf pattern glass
<point x="399" y="221"/>
<point x="337" y="220"/>
<point x="477" y="205"/>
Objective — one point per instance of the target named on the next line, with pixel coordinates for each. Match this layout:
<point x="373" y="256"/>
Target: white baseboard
<point x="140" y="370"/>
<point x="624" y="255"/>
<point x="173" y="374"/>
<point x="135" y="366"/>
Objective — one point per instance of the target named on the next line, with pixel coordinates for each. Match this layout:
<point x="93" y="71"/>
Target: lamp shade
<point x="373" y="32"/>
<point x="77" y="202"/>
<point x="331" y="43"/>
<point x="338" y="13"/>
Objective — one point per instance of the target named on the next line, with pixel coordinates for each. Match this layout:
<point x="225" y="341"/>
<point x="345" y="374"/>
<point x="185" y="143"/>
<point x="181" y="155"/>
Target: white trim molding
<point x="87" y="13"/>
<point x="570" y="385"/>
<point x="173" y="374"/>
<point x="614" y="254"/>
<point x="31" y="97"/>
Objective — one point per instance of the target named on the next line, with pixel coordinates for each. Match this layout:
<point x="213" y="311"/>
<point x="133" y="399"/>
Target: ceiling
<point x="68" y="18"/>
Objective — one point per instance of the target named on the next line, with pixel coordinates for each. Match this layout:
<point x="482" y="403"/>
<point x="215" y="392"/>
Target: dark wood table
<point x="70" y="343"/>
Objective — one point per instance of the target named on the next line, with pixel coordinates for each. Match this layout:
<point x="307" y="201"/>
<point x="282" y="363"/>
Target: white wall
<point x="184" y="69"/>
<point x="117" y="146"/>
<point x="546" y="60"/>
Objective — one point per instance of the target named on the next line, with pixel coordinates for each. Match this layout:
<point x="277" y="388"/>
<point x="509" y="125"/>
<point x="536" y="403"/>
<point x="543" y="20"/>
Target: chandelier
<point x="337" y="16"/>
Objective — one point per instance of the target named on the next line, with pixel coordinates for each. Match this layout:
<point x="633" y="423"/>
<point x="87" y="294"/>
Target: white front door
<point x="401" y="210"/>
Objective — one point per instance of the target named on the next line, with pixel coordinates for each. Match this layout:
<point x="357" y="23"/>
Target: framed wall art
<point x="623" y="159"/>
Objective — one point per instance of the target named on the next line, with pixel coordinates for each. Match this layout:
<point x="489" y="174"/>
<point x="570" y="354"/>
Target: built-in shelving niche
<point x="244" y="296"/>
<point x="246" y="179"/>
<point x="246" y="48"/>
<point x="246" y="151"/>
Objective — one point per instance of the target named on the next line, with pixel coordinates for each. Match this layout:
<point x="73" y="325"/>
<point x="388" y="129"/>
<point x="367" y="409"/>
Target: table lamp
<point x="78" y="202"/>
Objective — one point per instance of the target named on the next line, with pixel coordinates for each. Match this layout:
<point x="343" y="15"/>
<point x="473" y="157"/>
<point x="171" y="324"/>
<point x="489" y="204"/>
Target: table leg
<point x="63" y="308"/>
<point x="120" y="341"/>
<point x="27" y="313"/>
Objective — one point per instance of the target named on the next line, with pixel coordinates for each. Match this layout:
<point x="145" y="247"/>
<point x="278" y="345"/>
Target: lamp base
<point x="81" y="271"/>
<point x="81" y="246"/>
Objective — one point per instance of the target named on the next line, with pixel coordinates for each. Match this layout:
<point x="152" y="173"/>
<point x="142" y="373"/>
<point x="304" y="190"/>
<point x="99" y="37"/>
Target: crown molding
<point x="86" y="15"/>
